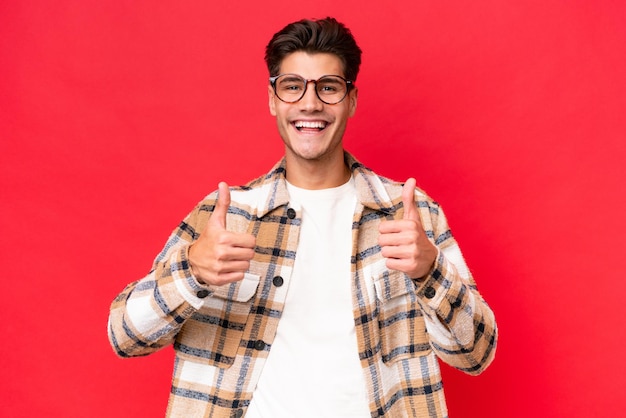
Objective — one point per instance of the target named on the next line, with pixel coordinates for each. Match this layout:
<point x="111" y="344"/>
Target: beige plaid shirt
<point x="222" y="335"/>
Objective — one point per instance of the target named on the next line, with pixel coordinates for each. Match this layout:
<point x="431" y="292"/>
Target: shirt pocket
<point x="213" y="334"/>
<point x="400" y="318"/>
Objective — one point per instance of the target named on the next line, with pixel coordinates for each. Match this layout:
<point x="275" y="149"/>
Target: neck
<point x="315" y="174"/>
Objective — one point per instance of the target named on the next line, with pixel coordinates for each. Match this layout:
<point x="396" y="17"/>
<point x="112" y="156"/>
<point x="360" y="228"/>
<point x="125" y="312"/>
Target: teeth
<point x="312" y="125"/>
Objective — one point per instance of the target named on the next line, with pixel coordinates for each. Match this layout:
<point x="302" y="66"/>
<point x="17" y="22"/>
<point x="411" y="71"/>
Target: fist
<point x="404" y="243"/>
<point x="219" y="256"/>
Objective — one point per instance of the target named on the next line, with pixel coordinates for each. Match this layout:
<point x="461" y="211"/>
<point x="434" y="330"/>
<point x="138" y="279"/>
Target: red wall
<point x="117" y="117"/>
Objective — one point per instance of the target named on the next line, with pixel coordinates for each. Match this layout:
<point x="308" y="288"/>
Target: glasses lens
<point x="331" y="89"/>
<point x="290" y="88"/>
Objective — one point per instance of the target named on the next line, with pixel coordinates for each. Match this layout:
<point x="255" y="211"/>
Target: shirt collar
<point x="371" y="191"/>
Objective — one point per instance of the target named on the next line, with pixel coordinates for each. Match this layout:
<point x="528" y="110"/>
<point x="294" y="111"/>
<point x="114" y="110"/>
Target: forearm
<point x="460" y="324"/>
<point x="149" y="313"/>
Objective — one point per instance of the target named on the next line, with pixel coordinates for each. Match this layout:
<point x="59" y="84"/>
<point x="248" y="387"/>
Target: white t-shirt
<point x="313" y="367"/>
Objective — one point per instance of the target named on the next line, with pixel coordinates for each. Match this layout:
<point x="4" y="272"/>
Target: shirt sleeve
<point x="147" y="315"/>
<point x="460" y="324"/>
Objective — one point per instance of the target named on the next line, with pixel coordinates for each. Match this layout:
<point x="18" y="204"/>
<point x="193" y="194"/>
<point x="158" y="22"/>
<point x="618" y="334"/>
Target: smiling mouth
<point x="316" y="126"/>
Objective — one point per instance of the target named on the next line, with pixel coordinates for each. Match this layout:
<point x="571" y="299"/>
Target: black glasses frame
<point x="349" y="86"/>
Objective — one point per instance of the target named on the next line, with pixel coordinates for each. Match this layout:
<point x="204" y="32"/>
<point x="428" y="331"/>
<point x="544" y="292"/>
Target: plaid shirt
<point x="222" y="335"/>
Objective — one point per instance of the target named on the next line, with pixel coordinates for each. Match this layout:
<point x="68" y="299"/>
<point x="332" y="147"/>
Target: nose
<point x="310" y="101"/>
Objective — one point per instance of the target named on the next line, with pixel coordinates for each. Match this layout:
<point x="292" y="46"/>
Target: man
<point x="319" y="289"/>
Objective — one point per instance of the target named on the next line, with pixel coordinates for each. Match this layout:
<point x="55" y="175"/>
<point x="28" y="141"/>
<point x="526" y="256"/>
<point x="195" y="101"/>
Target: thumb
<point x="408" y="200"/>
<point x="221" y="206"/>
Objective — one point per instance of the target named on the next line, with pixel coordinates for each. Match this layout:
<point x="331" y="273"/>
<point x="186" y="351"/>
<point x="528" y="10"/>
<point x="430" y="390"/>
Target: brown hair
<point x="315" y="36"/>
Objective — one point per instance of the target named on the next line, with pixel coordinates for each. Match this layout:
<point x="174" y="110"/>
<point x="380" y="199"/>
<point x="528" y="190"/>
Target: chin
<point x="306" y="151"/>
<point x="309" y="155"/>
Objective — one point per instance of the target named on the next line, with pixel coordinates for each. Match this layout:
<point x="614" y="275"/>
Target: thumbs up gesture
<point x="219" y="256"/>
<point x="403" y="242"/>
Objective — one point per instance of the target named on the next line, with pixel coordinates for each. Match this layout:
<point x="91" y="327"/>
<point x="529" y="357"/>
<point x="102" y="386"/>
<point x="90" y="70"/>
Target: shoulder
<point x="394" y="189"/>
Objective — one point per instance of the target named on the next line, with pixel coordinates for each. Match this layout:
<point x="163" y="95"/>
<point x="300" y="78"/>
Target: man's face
<point x="312" y="130"/>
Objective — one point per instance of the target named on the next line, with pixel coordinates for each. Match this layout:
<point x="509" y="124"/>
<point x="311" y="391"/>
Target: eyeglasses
<point x="330" y="89"/>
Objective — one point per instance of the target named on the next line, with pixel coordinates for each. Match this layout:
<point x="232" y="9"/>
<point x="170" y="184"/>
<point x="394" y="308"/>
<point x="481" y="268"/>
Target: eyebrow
<point x="331" y="80"/>
<point x="293" y="77"/>
<point x="289" y="77"/>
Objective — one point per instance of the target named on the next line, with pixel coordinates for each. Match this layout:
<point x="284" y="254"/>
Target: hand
<point x="404" y="243"/>
<point x="219" y="256"/>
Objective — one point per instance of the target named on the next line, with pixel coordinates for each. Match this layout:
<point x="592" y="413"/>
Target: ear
<point x="272" y="101"/>
<point x="353" y="96"/>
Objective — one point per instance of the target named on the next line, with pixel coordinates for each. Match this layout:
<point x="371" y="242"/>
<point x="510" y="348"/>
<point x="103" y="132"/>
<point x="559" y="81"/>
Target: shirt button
<point x="259" y="345"/>
<point x="202" y="293"/>
<point x="291" y="213"/>
<point x="278" y="281"/>
<point x="237" y="413"/>
<point x="429" y="292"/>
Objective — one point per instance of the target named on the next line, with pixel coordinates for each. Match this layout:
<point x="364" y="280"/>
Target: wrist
<point x="193" y="269"/>
<point x="431" y="267"/>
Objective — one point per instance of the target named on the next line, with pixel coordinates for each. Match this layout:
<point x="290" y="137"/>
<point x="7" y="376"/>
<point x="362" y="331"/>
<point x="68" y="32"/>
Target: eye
<point x="328" y="88"/>
<point x="291" y="87"/>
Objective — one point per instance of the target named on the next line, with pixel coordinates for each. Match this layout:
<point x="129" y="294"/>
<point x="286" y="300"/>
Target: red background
<point x="117" y="117"/>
